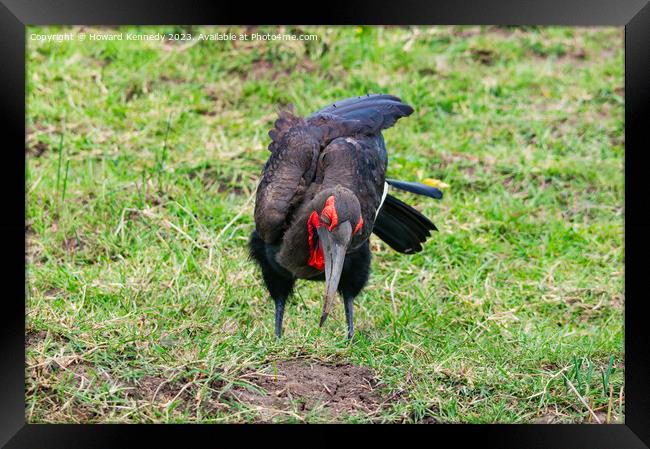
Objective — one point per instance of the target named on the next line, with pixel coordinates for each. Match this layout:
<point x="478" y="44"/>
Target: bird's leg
<point x="348" y="304"/>
<point x="352" y="282"/>
<point x="279" y="314"/>
<point x="279" y="285"/>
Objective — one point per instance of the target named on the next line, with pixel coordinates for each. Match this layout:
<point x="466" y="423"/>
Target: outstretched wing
<point x="366" y="115"/>
<point x="389" y="107"/>
<point x="352" y="126"/>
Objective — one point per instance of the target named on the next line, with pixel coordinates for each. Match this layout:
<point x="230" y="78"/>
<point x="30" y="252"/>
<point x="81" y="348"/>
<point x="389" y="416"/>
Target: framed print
<point x="379" y="215"/>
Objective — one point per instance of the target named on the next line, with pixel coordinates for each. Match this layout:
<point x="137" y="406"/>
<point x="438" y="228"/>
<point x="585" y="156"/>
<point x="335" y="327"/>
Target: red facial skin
<point x="357" y="228"/>
<point x="316" y="258"/>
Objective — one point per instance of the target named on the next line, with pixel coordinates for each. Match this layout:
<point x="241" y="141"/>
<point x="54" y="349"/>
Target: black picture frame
<point x="15" y="15"/>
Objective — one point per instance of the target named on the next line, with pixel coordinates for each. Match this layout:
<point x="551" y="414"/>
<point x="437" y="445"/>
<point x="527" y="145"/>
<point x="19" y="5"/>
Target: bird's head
<point x="335" y="219"/>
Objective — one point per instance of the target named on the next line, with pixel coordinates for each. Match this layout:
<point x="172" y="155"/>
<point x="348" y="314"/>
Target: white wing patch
<point x="383" y="198"/>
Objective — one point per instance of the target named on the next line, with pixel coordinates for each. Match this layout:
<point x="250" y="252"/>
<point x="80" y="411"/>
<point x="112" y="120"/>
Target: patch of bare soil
<point x="85" y="374"/>
<point x="549" y="418"/>
<point x="602" y="417"/>
<point x="37" y="149"/>
<point x="262" y="68"/>
<point x="172" y="79"/>
<point x="162" y="392"/>
<point x="302" y="386"/>
<point x="574" y="56"/>
<point x="503" y="30"/>
<point x="483" y="56"/>
<point x="428" y="420"/>
<point x="466" y="32"/>
<point x="555" y="417"/>
<point x="159" y="389"/>
<point x="72" y="244"/>
<point x="33" y="338"/>
<point x="259" y="67"/>
<point x="298" y="389"/>
<point x="32" y="250"/>
<point x="53" y="379"/>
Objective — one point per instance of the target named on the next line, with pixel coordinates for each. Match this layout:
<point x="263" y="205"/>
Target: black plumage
<point x="402" y="227"/>
<point x="415" y="187"/>
<point x="323" y="192"/>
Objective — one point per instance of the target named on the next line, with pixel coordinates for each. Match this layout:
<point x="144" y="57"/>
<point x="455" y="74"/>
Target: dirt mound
<point x="297" y="387"/>
<point x="287" y="391"/>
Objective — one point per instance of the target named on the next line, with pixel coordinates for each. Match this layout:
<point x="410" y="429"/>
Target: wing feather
<point x="351" y="129"/>
<point x="287" y="174"/>
<point x="367" y="115"/>
<point x="286" y="120"/>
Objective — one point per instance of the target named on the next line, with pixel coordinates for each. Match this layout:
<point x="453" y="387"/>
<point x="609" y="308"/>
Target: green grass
<point x="142" y="165"/>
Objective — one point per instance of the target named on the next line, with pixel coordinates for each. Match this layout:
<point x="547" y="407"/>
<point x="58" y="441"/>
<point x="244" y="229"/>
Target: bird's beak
<point x="335" y="244"/>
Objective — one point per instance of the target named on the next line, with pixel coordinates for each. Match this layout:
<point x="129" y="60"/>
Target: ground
<point x="142" y="163"/>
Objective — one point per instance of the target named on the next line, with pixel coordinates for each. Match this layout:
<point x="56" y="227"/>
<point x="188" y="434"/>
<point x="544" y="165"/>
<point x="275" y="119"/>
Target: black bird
<point x="323" y="192"/>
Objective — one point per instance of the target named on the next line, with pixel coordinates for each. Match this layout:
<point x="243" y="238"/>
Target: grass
<point x="142" y="163"/>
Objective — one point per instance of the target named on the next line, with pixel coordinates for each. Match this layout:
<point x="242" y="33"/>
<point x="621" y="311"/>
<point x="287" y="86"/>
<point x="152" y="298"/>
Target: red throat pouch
<point x="316" y="258"/>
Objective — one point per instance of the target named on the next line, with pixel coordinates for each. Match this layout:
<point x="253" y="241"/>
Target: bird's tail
<point x="402" y="227"/>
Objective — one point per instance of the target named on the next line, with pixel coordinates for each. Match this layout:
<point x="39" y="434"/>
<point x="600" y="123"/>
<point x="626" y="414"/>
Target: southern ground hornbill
<point x="323" y="192"/>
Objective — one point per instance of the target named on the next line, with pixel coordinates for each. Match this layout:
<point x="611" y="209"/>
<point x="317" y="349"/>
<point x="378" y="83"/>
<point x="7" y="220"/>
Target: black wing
<point x="297" y="143"/>
<point x="369" y="108"/>
<point x="366" y="115"/>
<point x="286" y="177"/>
